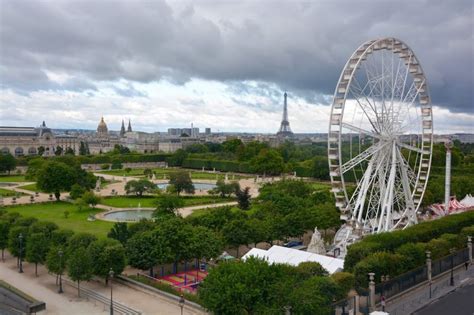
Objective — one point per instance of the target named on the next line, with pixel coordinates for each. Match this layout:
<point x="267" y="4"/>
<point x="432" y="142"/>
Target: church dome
<point x="102" y="127"/>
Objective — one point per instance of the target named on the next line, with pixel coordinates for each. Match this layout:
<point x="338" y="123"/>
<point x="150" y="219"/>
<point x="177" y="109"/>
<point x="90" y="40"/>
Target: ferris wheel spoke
<point x="360" y="130"/>
<point x="410" y="147"/>
<point x="361" y="157"/>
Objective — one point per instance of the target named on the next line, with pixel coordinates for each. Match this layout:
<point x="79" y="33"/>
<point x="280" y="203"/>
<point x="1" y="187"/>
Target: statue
<point x="97" y="184"/>
<point x="153" y="177"/>
<point x="316" y="245"/>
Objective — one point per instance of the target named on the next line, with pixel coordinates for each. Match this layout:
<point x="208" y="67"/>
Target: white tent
<point x="290" y="256"/>
<point x="468" y="201"/>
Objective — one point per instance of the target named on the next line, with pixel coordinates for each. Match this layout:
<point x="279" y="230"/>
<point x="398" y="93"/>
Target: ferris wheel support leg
<point x="388" y="198"/>
<point x="359" y="206"/>
<point x="410" y="205"/>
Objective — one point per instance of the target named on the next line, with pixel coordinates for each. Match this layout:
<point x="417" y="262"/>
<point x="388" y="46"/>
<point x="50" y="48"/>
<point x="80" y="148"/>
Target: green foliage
<point x="380" y="263"/>
<point x="243" y="198"/>
<point x="414" y="255"/>
<point x="107" y="254"/>
<point x="60" y="237"/>
<point x="254" y="287"/>
<point x="345" y="281"/>
<point x="55" y="177"/>
<point x="138" y="187"/>
<point x="167" y="206"/>
<point x="310" y="268"/>
<point x="141" y="251"/>
<point x="181" y="181"/>
<point x="17" y="245"/>
<point x="119" y="232"/>
<point x="54" y="261"/>
<point x="225" y="190"/>
<point x="232" y="145"/>
<point x="76" y="191"/>
<point x="422" y="232"/>
<point x="80" y="266"/>
<point x="90" y="198"/>
<point x="79" y="240"/>
<point x="37" y="249"/>
<point x="267" y="162"/>
<point x="438" y="247"/>
<point x="4" y="230"/>
<point x="44" y="227"/>
<point x="7" y="163"/>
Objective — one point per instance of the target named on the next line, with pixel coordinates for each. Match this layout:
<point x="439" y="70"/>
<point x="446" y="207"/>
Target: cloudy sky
<point x="218" y="64"/>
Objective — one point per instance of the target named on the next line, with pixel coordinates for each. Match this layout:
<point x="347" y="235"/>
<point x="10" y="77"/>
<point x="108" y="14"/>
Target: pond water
<point x="197" y="186"/>
<point x="129" y="215"/>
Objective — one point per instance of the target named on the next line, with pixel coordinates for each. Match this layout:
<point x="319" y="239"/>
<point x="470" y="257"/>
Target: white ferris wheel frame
<point x="355" y="208"/>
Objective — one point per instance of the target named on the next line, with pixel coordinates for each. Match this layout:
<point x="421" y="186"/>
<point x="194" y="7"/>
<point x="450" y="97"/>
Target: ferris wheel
<point x="380" y="140"/>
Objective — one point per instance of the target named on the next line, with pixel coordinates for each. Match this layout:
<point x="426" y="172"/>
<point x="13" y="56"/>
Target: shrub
<point x="438" y="247"/>
<point x="345" y="282"/>
<point x="413" y="255"/>
<point x="105" y="166"/>
<point x="381" y="263"/>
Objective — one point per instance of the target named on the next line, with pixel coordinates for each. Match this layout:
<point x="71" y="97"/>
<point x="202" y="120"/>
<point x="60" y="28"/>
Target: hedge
<point x="219" y="165"/>
<point x="422" y="232"/>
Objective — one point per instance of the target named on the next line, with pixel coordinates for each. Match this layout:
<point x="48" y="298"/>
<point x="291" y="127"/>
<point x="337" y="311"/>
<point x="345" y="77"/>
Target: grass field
<point x="321" y="186"/>
<point x="54" y="212"/>
<point x="12" y="178"/>
<point x="30" y="187"/>
<point x="199" y="212"/>
<point x="160" y="172"/>
<point x="9" y="193"/>
<point x="151" y="202"/>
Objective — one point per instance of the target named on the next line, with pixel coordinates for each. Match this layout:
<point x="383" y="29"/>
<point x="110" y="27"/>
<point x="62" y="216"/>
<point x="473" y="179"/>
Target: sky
<point x="218" y="64"/>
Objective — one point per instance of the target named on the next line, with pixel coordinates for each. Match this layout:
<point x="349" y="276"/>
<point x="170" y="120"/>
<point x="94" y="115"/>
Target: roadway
<point x="458" y="302"/>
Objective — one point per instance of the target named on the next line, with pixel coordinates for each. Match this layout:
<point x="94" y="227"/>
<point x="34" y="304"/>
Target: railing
<point x="90" y="294"/>
<point x="402" y="283"/>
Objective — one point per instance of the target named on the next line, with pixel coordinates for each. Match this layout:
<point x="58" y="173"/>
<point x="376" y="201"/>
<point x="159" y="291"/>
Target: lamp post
<point x="111" y="275"/>
<point x="451" y="280"/>
<point x="428" y="268"/>
<point x="181" y="303"/>
<point x="20" y="239"/>
<point x="60" y="254"/>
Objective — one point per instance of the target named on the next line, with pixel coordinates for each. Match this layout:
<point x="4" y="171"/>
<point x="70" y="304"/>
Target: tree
<point x="41" y="150"/>
<point x="37" y="249"/>
<point x="243" y="198"/>
<point x="80" y="240"/>
<point x="80" y="267"/>
<point x="55" y="262"/>
<point x="76" y="191"/>
<point x="119" y="232"/>
<point x="141" y="251"/>
<point x="4" y="229"/>
<point x="181" y="182"/>
<point x="60" y="237"/>
<point x="237" y="233"/>
<point x="44" y="227"/>
<point x="168" y="206"/>
<point x="268" y="162"/>
<point x="90" y="198"/>
<point x="147" y="172"/>
<point x="82" y="149"/>
<point x="69" y="151"/>
<point x="14" y="240"/>
<point x="7" y="163"/>
<point x="55" y="177"/>
<point x="58" y="151"/>
<point x="34" y="165"/>
<point x="138" y="187"/>
<point x="107" y="254"/>
<point x="232" y="145"/>
<point x="314" y="296"/>
<point x="224" y="189"/>
<point x="309" y="269"/>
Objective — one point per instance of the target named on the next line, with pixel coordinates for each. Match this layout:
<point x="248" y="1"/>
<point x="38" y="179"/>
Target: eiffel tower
<point x="285" y="130"/>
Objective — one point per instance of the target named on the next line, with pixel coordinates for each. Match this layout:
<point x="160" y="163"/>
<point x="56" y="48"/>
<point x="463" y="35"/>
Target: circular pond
<point x="129" y="215"/>
<point x="197" y="186"/>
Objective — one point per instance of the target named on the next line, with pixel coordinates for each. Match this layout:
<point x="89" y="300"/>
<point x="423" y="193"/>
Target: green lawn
<point x="12" y="178"/>
<point x="167" y="171"/>
<point x="150" y="201"/>
<point x="31" y="187"/>
<point x="9" y="193"/>
<point x="54" y="212"/>
<point x="321" y="186"/>
<point x="199" y="212"/>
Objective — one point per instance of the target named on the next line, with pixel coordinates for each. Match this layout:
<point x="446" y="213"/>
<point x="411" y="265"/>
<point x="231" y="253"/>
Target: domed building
<point x="102" y="130"/>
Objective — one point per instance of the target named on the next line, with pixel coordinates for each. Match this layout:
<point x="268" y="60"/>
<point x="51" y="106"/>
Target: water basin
<point x="129" y="215"/>
<point x="197" y="186"/>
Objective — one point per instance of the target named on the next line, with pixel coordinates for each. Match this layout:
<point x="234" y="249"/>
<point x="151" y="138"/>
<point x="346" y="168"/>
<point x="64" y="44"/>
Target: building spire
<point x="285" y="130"/>
<point x="122" y="129"/>
<point x="129" y="129"/>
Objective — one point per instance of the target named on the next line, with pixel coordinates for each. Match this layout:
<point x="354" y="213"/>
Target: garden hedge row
<point x="102" y="159"/>
<point x="422" y="232"/>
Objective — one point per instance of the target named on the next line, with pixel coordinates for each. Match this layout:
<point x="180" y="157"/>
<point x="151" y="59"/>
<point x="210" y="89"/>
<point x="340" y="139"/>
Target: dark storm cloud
<point x="301" y="46"/>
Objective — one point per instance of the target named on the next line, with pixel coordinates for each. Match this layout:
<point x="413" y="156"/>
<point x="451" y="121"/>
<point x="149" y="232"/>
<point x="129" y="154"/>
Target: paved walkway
<point x="44" y="288"/>
<point x="416" y="299"/>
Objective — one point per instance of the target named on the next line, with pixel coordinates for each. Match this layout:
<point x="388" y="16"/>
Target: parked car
<point x="293" y="244"/>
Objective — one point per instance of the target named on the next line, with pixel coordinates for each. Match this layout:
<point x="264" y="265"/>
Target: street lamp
<point x="451" y="281"/>
<point x="111" y="275"/>
<point x="20" y="238"/>
<point x="60" y="254"/>
<point x="181" y="303"/>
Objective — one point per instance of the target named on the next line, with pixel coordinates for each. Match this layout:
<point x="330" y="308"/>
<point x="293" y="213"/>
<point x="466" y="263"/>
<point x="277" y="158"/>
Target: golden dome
<point x="102" y="127"/>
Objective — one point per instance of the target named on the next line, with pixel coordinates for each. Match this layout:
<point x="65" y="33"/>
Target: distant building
<point x="208" y="131"/>
<point x="20" y="141"/>
<point x="179" y="132"/>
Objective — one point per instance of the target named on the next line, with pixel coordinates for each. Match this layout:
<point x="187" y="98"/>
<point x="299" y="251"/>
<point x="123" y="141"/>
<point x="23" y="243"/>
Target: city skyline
<point x="221" y="66"/>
